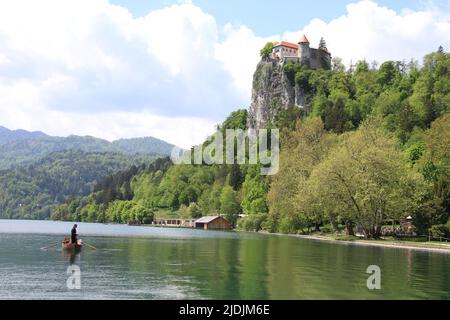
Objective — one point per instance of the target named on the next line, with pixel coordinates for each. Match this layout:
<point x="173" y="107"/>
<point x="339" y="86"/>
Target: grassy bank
<point x="387" y="242"/>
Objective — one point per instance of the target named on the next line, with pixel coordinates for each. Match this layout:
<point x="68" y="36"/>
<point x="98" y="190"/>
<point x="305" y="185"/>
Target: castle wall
<point x="313" y="60"/>
<point x="304" y="53"/>
<point x="281" y="52"/>
<point x="291" y="59"/>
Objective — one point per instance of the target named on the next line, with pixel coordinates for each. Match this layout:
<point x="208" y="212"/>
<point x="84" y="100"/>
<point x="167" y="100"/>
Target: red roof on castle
<point x="287" y="44"/>
<point x="291" y="45"/>
<point x="304" y="39"/>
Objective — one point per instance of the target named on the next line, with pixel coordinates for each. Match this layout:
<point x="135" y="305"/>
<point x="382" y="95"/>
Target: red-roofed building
<point x="303" y="39"/>
<point x="285" y="49"/>
<point x="302" y="53"/>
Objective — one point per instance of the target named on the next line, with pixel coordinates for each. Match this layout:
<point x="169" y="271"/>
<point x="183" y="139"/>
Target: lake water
<point x="162" y="263"/>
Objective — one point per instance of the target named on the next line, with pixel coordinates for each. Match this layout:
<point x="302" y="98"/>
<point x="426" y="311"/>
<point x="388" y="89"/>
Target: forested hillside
<point x="370" y="146"/>
<point x="7" y="135"/>
<point x="111" y="199"/>
<point x="29" y="192"/>
<point x="22" y="147"/>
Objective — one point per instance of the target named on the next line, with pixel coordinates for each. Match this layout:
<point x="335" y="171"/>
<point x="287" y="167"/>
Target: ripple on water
<point x="158" y="263"/>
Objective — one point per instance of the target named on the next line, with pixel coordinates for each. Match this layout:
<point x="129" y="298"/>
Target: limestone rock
<point x="272" y="91"/>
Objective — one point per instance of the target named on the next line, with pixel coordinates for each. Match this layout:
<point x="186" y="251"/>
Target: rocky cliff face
<point x="272" y="91"/>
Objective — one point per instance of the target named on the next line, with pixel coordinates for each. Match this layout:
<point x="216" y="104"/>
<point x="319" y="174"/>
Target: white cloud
<point x="373" y="32"/>
<point x="181" y="131"/>
<point x="64" y="62"/>
<point x="239" y="53"/>
<point x="89" y="67"/>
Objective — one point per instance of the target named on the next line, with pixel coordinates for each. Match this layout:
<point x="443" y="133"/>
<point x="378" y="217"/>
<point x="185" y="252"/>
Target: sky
<point x="174" y="69"/>
<point x="257" y="14"/>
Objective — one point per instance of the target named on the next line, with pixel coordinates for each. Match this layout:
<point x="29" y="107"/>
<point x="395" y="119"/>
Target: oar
<point x="89" y="245"/>
<point x="45" y="248"/>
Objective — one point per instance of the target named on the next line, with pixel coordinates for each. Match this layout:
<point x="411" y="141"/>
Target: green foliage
<point x="236" y="120"/>
<point x="210" y="199"/>
<point x="435" y="162"/>
<point x="370" y="145"/>
<point x="440" y="231"/>
<point x="27" y="148"/>
<point x="31" y="192"/>
<point x="146" y="146"/>
<point x="416" y="151"/>
<point x="360" y="178"/>
<point x="337" y="65"/>
<point x="254" y="192"/>
<point x="252" y="222"/>
<point x="266" y="51"/>
<point x="291" y="69"/>
<point x="405" y="96"/>
<point x="114" y="195"/>
<point x="121" y="211"/>
<point x="389" y="74"/>
<point x="292" y="224"/>
<point x="287" y="118"/>
<point x="431" y="95"/>
<point x="301" y="151"/>
<point x="229" y="204"/>
<point x="195" y="211"/>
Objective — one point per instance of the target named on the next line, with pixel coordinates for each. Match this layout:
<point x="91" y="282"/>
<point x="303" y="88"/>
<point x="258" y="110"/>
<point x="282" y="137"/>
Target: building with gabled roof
<point x="212" y="223"/>
<point x="302" y="53"/>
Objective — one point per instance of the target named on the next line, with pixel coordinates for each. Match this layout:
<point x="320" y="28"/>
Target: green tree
<point x="302" y="150"/>
<point x="254" y="191"/>
<point x="323" y="44"/>
<point x="236" y="120"/>
<point x="431" y="97"/>
<point x="229" y="204"/>
<point x="366" y="180"/>
<point x="195" y="211"/>
<point x="435" y="163"/>
<point x="266" y="51"/>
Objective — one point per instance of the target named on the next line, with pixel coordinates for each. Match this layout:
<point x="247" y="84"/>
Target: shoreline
<point x="430" y="247"/>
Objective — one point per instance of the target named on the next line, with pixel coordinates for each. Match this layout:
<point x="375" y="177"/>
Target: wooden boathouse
<point x="212" y="223"/>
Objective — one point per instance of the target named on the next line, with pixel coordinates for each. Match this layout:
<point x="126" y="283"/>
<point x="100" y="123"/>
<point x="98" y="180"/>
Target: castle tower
<point x="304" y="52"/>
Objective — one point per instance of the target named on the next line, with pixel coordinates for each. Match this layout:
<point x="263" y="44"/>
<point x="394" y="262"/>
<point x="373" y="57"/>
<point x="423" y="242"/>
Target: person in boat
<point x="74" y="234"/>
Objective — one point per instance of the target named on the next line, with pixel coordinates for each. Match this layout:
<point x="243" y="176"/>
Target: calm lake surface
<point x="160" y="263"/>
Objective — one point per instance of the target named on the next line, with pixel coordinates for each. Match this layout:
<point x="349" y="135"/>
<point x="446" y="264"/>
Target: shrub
<point x="267" y="50"/>
<point x="195" y="211"/>
<point x="291" y="224"/>
<point x="252" y="222"/>
<point x="439" y="231"/>
<point x="327" y="229"/>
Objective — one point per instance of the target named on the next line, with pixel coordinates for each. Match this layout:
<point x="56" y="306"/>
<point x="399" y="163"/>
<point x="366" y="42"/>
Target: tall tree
<point x="365" y="180"/>
<point x="301" y="150"/>
<point x="229" y="204"/>
<point x="254" y="191"/>
<point x="323" y="44"/>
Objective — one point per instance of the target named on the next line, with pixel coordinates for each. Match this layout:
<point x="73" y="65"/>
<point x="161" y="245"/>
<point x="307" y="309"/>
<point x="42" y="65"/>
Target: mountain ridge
<point x="16" y="135"/>
<point x="7" y="135"/>
<point x="21" y="147"/>
<point x="30" y="191"/>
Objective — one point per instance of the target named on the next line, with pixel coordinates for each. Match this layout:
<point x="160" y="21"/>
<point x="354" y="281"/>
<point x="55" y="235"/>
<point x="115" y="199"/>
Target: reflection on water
<point x="72" y="257"/>
<point x="190" y="264"/>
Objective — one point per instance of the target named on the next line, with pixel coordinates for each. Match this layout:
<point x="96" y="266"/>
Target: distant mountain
<point x="29" y="192"/>
<point x="7" y="135"/>
<point x="20" y="147"/>
<point x="147" y="145"/>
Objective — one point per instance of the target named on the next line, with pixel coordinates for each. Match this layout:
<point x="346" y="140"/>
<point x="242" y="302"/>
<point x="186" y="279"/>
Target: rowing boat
<point x="72" y="247"/>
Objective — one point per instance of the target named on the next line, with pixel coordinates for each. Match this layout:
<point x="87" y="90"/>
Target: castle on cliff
<point x="302" y="53"/>
<point x="272" y="90"/>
